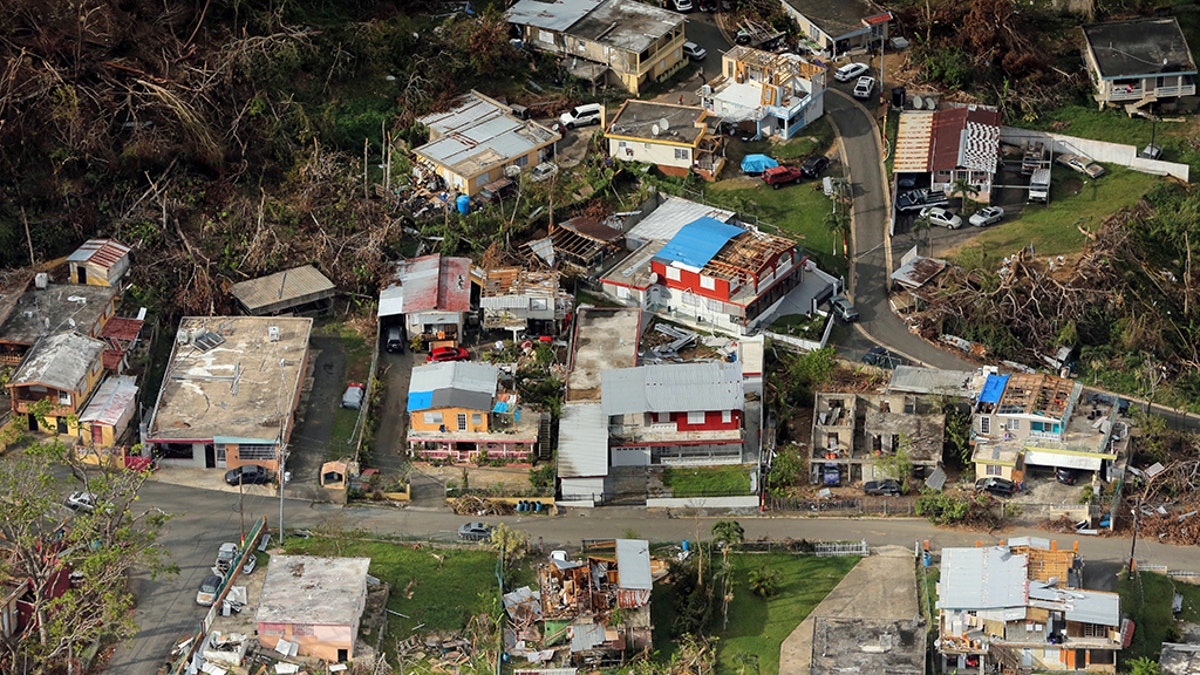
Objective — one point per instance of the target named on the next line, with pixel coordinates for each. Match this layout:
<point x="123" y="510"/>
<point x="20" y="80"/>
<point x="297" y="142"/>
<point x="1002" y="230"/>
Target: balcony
<point x="668" y="433"/>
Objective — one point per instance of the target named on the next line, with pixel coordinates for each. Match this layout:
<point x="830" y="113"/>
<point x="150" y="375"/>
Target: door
<point x="33" y="423"/>
<point x="343" y="655"/>
<point x="210" y="456"/>
<point x="82" y="274"/>
<point x="97" y="435"/>
<point x="61" y="424"/>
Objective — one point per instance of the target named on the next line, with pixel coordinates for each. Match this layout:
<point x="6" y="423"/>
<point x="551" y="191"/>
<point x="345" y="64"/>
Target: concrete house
<point x="854" y="433"/>
<point x="107" y="416"/>
<point x="516" y="299"/>
<point x="779" y="93"/>
<point x="959" y="142"/>
<point x="835" y="28"/>
<point x="99" y="262"/>
<point x="1020" y="607"/>
<point x="230" y="392"/>
<point x="47" y="309"/>
<point x="478" y="140"/>
<point x="458" y="412"/>
<point x="431" y="295"/>
<point x="625" y="43"/>
<point x="313" y="603"/>
<point x="63" y="368"/>
<point x="675" y="138"/>
<point x="300" y="290"/>
<point x="1138" y="62"/>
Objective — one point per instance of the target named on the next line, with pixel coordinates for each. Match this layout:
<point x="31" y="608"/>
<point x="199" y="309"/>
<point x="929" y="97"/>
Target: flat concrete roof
<point x="283" y="290"/>
<point x="311" y="590"/>
<point x="59" y="306"/>
<point x="1139" y="47"/>
<point x="638" y="119"/>
<point x="242" y="389"/>
<point x="867" y="646"/>
<point x="626" y="24"/>
<point x="605" y="338"/>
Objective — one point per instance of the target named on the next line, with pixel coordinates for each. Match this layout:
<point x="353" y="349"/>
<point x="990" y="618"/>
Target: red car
<point x="447" y="354"/>
<point x="782" y="175"/>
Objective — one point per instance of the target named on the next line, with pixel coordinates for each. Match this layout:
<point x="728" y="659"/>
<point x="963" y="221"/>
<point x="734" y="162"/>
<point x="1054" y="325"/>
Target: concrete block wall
<point x="1100" y="151"/>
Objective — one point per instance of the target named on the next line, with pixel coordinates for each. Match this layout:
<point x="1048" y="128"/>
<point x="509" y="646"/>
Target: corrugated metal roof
<point x="1062" y="460"/>
<point x="451" y="383"/>
<point x="586" y="636"/>
<point x="967" y="137"/>
<point x="122" y="328"/>
<point x="102" y="252"/>
<point x="1033" y="542"/>
<point x="284" y="289"/>
<point x="1080" y="605"/>
<point x="673" y="387"/>
<point x="391" y="301"/>
<point x="478" y="134"/>
<point x="428" y="283"/>
<point x="982" y="578"/>
<point x="914" y="137"/>
<point x="61" y="361"/>
<point x="697" y="242"/>
<point x="993" y="389"/>
<point x="582" y="441"/>
<point x="633" y="565"/>
<point x="111" y="400"/>
<point x="555" y="15"/>
<point x="670" y="216"/>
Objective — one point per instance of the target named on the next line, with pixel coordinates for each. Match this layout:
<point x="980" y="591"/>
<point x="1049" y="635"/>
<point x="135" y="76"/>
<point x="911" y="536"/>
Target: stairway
<point x="545" y="437"/>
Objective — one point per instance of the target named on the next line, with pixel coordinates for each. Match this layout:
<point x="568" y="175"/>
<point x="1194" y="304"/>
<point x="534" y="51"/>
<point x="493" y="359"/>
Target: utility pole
<point x="1133" y="544"/>
<point x="282" y="482"/>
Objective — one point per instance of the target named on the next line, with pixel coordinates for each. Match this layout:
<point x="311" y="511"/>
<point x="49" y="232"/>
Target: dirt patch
<point x="479" y="476"/>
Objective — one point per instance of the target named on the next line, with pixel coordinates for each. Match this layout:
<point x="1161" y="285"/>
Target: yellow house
<point x="675" y="138"/>
<point x="479" y="140"/>
<point x="624" y="42"/>
<point x="106" y="417"/>
<point x="99" y="262"/>
<point x="62" y="368"/>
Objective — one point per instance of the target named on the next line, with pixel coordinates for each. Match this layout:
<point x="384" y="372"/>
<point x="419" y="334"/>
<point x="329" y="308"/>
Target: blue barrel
<point x="685" y="544"/>
<point x="537" y="507"/>
<point x="522" y="505"/>
<point x="927" y="559"/>
<point x="464" y="204"/>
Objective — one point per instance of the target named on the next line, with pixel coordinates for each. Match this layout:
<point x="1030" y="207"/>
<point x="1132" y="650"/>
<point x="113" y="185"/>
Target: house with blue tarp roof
<point x="458" y="411"/>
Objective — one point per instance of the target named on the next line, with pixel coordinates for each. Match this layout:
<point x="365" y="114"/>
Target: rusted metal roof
<point x="122" y="328"/>
<point x="592" y="228"/>
<point x="112" y="399"/>
<point x="913" y="139"/>
<point x="102" y="252"/>
<point x="431" y="283"/>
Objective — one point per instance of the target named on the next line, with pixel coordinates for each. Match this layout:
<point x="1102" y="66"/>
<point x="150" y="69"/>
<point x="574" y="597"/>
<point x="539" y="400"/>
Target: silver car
<point x="988" y="215"/>
<point x="939" y="216"/>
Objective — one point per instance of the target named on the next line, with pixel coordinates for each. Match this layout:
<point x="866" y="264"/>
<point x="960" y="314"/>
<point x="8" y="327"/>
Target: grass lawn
<point x="1052" y="228"/>
<point x="1115" y="126"/>
<point x="798" y="211"/>
<point x="442" y="595"/>
<point x="707" y="480"/>
<point x="758" y="626"/>
<point x="1147" y="601"/>
<point x="801" y="326"/>
<point x="341" y="437"/>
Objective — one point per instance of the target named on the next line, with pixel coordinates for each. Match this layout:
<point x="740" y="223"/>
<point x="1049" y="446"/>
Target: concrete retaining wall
<point x="1101" y="151"/>
<point x="747" y="502"/>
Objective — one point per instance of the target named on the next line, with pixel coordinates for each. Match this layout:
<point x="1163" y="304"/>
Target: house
<point x="870" y="646"/>
<point x="1019" y="607"/>
<point x="230" y="391"/>
<point x="107" y="415"/>
<point x="674" y="413"/>
<point x="675" y="138"/>
<point x="521" y="300"/>
<point x="855" y="435"/>
<point x="584" y="245"/>
<point x="300" y="290"/>
<point x="121" y="335"/>
<point x="314" y="603"/>
<point x="99" y="262"/>
<point x="1179" y="659"/>
<point x="961" y="142"/>
<point x="710" y="273"/>
<point x="11" y="592"/>
<point x="478" y="140"/>
<point x="458" y="412"/>
<point x="779" y="93"/>
<point x="1138" y="62"/>
<point x="432" y="294"/>
<point x="64" y="369"/>
<point x="835" y="28"/>
<point x="626" y="43"/>
<point x="1041" y="420"/>
<point x="49" y="308"/>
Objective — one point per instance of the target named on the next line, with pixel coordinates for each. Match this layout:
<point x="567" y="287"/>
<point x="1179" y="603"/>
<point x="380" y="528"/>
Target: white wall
<point x="1101" y="151"/>
<point x="650" y="153"/>
<point x="574" y="489"/>
<point x="747" y="502"/>
<point x="630" y="456"/>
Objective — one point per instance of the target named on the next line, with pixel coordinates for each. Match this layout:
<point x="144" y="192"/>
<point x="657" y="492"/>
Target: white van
<point x="581" y="115"/>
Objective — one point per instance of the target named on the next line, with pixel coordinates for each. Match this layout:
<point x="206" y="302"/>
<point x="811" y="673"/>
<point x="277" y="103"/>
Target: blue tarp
<point x="757" y="163"/>
<point x="993" y="388"/>
<point x="697" y="242"/>
<point x="500" y="407"/>
<point x="420" y="400"/>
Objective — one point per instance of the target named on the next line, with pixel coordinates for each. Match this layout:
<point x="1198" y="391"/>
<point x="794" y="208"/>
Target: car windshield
<point x="210" y="585"/>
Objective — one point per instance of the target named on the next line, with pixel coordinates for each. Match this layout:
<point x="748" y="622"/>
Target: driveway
<point x="310" y="440"/>
<point x="389" y="452"/>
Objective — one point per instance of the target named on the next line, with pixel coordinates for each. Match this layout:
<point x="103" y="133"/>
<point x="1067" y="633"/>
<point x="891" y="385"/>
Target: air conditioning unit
<point x="273" y="333"/>
<point x="182" y="337"/>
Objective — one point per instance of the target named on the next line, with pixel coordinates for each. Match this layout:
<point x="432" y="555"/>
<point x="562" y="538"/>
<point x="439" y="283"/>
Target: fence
<point x="833" y="549"/>
<point x="887" y="506"/>
<point x="1101" y="151"/>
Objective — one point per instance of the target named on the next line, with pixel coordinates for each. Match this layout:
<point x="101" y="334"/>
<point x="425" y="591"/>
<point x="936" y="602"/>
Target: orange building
<point x="314" y="603"/>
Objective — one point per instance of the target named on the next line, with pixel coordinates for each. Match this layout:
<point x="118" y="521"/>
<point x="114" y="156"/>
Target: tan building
<point x="675" y="138"/>
<point x="1138" y="62"/>
<point x="64" y="369"/>
<point x="300" y="290"/>
<point x="834" y="28"/>
<point x="855" y="435"/>
<point x="622" y="42"/>
<point x="314" y="603"/>
<point x="99" y="262"/>
<point x="479" y="140"/>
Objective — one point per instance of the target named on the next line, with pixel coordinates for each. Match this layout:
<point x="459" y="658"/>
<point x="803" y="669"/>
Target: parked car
<point x="694" y="51"/>
<point x="939" y="216"/>
<point x="1151" y="151"/>
<point x="831" y="475"/>
<point x="250" y="474"/>
<point x="843" y="309"/>
<point x="1066" y="476"/>
<point x="682" y="5"/>
<point x="474" y="532"/>
<point x="395" y="340"/>
<point x="813" y="167"/>
<point x="778" y="176"/>
<point x="543" y="171"/>
<point x="581" y="116"/>
<point x="1001" y="487"/>
<point x="226" y="554"/>
<point x="447" y="354"/>
<point x="919" y="199"/>
<point x="850" y="71"/>
<point x="1081" y="164"/>
<point x="882" y="358"/>
<point x="207" y="595"/>
<point x="81" y="501"/>
<point x="864" y="87"/>
<point x="352" y="398"/>
<point x="988" y="215"/>
<point x="882" y="488"/>
<point x="250" y="564"/>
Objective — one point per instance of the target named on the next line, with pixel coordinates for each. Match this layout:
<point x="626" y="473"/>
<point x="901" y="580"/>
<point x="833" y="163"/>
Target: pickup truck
<point x="915" y="200"/>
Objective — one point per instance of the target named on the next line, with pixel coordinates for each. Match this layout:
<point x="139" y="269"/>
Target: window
<point x="476" y="420"/>
<point x="682" y="153"/>
<point x="663" y="417"/>
<point x="621" y="144"/>
<point x="538" y="304"/>
<point x="726" y="416"/>
<point x="708" y="282"/>
<point x="696" y="417"/>
<point x="256" y="451"/>
<point x="1036" y="427"/>
<point x="433" y="418"/>
<point x="64" y="398"/>
<point x="714" y="305"/>
<point x="1014" y="425"/>
<point x="985" y="425"/>
<point x="994" y="470"/>
<point x="523" y="160"/>
<point x="462" y="421"/>
<point x="673" y="273"/>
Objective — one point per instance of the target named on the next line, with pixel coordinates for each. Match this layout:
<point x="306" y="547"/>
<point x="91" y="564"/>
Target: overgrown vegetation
<point x="1146" y="600"/>
<point x="711" y="481"/>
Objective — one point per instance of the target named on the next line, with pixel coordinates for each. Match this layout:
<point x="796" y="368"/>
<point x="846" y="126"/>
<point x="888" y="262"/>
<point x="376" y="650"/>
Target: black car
<point x="884" y="488"/>
<point x="882" y="358"/>
<point x="814" y="166"/>
<point x="251" y="474"/>
<point x="1001" y="487"/>
<point x="1066" y="476"/>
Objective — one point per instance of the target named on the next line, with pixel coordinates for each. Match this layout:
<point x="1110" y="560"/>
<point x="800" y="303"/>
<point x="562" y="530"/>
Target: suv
<point x="782" y="175"/>
<point x="474" y="532"/>
<point x="1066" y="476"/>
<point x="844" y="309"/>
<point x="882" y="488"/>
<point x="694" y="51"/>
<point x="1001" y="487"/>
<point x="395" y="340"/>
<point x="813" y="167"/>
<point x="581" y="115"/>
<point x="882" y="358"/>
<point x="939" y="216"/>
<point x="864" y="87"/>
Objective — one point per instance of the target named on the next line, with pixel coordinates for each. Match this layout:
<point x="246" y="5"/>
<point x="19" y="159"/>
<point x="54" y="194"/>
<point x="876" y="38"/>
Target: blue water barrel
<point x="927" y="559"/>
<point x="685" y="544"/>
<point x="464" y="204"/>
<point x="537" y="507"/>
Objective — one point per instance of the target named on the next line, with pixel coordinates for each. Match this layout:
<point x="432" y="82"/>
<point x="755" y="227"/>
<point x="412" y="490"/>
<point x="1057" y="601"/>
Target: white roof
<point x="1077" y="604"/>
<point x="60" y="361"/>
<point x="1064" y="460"/>
<point x="391" y="301"/>
<point x="582" y="441"/>
<point x="740" y="101"/>
<point x="673" y="387"/>
<point x="111" y="401"/>
<point x="310" y="590"/>
<point x="665" y="221"/>
<point x="478" y="134"/>
<point x="920" y="380"/>
<point x="556" y="15"/>
<point x="982" y="578"/>
<point x="633" y="565"/>
<point x="464" y="375"/>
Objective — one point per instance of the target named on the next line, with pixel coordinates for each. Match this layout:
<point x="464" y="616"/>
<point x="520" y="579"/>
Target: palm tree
<point x="728" y="533"/>
<point x="962" y="187"/>
<point x="838" y="222"/>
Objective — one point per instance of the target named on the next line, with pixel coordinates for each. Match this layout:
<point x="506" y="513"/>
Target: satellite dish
<point x="512" y="171"/>
<point x="930" y="103"/>
<point x="664" y="124"/>
<point x="917" y="103"/>
<point x="655" y="130"/>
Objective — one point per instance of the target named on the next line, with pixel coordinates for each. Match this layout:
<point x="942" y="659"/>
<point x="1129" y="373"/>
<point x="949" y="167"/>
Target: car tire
<point x="774" y="186"/>
<point x="570" y="125"/>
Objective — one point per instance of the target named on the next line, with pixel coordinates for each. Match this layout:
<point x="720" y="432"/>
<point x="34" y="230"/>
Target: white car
<point x="694" y="51"/>
<point x="864" y="87"/>
<point x="81" y="501"/>
<point x="682" y="5"/>
<point x="849" y="71"/>
<point x="543" y="171"/>
<point x="988" y="215"/>
<point x="939" y="216"/>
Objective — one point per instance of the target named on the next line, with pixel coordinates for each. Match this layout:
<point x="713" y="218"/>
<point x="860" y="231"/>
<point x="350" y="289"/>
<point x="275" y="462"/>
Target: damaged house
<point x="855" y="436"/>
<point x="521" y="300"/>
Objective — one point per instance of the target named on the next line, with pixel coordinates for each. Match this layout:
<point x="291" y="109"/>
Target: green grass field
<point x="1147" y="601"/>
<point x="1114" y="126"/>
<point x="707" y="480"/>
<point x="797" y="210"/>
